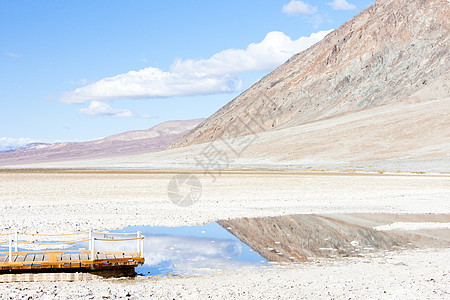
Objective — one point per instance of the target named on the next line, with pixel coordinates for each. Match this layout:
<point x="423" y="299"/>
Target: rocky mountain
<point x="394" y="51"/>
<point x="128" y="143"/>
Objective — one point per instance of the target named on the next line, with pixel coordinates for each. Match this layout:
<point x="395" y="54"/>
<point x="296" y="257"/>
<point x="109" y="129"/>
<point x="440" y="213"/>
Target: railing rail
<point x="13" y="240"/>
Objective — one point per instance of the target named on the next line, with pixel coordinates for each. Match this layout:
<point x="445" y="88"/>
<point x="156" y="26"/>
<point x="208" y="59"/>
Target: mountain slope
<point x="393" y="51"/>
<point x="128" y="143"/>
<point x="411" y="137"/>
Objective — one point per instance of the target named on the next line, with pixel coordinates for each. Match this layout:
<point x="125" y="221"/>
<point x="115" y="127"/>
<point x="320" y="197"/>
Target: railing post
<point x="142" y="246"/>
<point x="10" y="249"/>
<point x="90" y="239"/>
<point x="139" y="242"/>
<point x="92" y="248"/>
<point x="16" y="238"/>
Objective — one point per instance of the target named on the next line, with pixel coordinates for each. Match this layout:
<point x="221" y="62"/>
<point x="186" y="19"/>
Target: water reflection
<point x="297" y="238"/>
<point x="188" y="250"/>
<point x="254" y="242"/>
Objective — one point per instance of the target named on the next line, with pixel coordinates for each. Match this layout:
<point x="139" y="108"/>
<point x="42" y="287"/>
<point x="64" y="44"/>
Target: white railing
<point x="13" y="241"/>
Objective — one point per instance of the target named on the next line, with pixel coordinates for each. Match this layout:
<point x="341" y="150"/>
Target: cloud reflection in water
<point x="186" y="250"/>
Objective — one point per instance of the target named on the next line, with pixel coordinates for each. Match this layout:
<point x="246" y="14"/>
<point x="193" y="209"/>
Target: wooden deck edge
<point x="47" y="264"/>
<point x="38" y="277"/>
<point x="67" y="274"/>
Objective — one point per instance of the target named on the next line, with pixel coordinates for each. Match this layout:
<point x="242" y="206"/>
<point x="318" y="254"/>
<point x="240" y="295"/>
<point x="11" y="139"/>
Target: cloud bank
<point x="274" y="50"/>
<point x="299" y="8"/>
<point x="152" y="83"/>
<point x="191" y="77"/>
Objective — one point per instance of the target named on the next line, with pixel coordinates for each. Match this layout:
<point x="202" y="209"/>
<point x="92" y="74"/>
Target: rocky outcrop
<point x="395" y="50"/>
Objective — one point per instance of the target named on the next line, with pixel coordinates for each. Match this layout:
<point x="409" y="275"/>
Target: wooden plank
<point x="20" y="258"/>
<point x="75" y="256"/>
<point x="28" y="261"/>
<point x="29" y="257"/>
<point x="65" y="257"/>
<point x="39" y="257"/>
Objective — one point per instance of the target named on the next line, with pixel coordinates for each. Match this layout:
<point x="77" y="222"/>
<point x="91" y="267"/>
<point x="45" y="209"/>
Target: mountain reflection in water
<point x="254" y="242"/>
<point x="295" y="238"/>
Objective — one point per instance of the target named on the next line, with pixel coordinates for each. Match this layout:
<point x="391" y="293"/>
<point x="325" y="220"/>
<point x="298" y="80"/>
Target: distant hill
<point x="31" y="146"/>
<point x="128" y="143"/>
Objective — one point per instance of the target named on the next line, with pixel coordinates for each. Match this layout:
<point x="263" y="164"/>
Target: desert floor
<point x="70" y="200"/>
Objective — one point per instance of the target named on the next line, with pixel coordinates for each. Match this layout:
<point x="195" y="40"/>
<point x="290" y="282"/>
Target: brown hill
<point x="393" y="51"/>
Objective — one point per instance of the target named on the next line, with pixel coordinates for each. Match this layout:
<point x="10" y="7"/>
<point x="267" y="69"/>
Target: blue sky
<point x="80" y="70"/>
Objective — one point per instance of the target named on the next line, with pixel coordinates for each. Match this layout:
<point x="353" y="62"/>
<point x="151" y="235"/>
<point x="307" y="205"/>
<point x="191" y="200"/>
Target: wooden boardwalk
<point x="59" y="260"/>
<point x="92" y="260"/>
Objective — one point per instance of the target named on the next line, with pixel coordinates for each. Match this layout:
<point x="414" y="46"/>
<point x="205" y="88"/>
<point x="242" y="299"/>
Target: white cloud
<point x="153" y="83"/>
<point x="342" y="5"/>
<point x="299" y="8"/>
<point x="192" y="77"/>
<point x="97" y="108"/>
<point x="274" y="50"/>
<point x="13" y="143"/>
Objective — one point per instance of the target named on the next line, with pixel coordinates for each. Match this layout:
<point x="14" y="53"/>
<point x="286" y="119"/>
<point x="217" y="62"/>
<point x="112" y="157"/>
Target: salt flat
<point x="70" y="200"/>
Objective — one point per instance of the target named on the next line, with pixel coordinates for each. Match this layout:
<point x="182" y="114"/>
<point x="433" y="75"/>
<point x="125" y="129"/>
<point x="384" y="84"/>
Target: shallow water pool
<point x="190" y="250"/>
